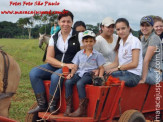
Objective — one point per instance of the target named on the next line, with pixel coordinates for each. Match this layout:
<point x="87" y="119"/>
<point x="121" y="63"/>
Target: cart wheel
<point x="32" y="117"/>
<point x="132" y="116"/>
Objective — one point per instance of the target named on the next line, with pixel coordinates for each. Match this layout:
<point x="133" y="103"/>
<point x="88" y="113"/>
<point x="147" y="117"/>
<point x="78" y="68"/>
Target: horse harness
<point x="5" y="77"/>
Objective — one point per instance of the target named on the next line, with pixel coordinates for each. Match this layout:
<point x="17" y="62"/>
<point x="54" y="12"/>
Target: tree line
<point x="30" y="27"/>
<point x="12" y="30"/>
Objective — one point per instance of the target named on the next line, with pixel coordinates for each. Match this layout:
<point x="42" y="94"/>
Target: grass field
<point x="27" y="54"/>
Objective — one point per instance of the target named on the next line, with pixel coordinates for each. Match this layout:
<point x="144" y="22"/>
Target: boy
<point x="85" y="62"/>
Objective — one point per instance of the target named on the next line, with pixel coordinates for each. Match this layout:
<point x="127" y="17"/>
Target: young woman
<point x="55" y="28"/>
<point x="62" y="48"/>
<point x="151" y="44"/>
<point x="127" y="65"/>
<point x="106" y="41"/>
<point x="79" y="26"/>
<point x="158" y="26"/>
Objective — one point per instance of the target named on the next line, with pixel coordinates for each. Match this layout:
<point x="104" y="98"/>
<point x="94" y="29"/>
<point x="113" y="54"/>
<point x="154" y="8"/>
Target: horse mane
<point x="1" y="79"/>
<point x="48" y="36"/>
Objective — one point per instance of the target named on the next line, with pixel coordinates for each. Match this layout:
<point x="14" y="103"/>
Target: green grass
<point x="27" y="54"/>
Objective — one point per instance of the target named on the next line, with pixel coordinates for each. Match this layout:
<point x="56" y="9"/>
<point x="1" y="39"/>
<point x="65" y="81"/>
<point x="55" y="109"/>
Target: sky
<point x="89" y="11"/>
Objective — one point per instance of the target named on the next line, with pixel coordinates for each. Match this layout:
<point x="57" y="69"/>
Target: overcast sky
<point x="91" y="11"/>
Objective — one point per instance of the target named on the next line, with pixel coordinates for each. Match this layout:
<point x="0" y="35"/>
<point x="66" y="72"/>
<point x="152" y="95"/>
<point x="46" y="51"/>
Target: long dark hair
<point x="79" y="23"/>
<point x="127" y="23"/>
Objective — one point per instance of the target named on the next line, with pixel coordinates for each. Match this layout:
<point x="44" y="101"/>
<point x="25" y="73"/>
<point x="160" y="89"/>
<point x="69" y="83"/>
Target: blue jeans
<point x="37" y="76"/>
<point x="129" y="78"/>
<point x="153" y="76"/>
<point x="80" y="83"/>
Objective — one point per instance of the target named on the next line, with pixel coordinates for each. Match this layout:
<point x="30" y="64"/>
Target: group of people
<point x="123" y="56"/>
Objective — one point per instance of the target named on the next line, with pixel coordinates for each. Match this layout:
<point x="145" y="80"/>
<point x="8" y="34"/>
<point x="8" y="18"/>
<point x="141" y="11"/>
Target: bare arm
<point x="148" y="56"/>
<point x="50" y="57"/>
<point x="131" y="65"/>
<point x="53" y="61"/>
<point x="101" y="71"/>
<point x="135" y="60"/>
<point x="73" y="70"/>
<point x="113" y="65"/>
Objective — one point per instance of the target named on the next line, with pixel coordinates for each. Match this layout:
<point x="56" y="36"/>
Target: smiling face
<point x="88" y="43"/>
<point x="65" y="24"/>
<point x="158" y="27"/>
<point x="123" y="30"/>
<point x="146" y="29"/>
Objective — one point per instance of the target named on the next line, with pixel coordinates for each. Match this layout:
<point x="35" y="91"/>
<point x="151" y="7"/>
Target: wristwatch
<point x="119" y="67"/>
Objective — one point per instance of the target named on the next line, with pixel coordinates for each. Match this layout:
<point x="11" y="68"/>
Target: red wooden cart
<point x="115" y="102"/>
<point x="5" y="119"/>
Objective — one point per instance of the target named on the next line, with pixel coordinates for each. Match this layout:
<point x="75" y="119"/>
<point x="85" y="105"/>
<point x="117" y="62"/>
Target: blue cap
<point x="147" y="19"/>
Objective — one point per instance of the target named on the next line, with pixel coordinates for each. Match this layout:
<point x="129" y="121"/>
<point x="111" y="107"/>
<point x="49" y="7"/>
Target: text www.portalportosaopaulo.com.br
<point x="33" y="12"/>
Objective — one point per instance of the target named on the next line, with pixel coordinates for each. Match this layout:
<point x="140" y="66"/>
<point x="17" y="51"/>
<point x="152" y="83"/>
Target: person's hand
<point x="106" y="69"/>
<point x="96" y="72"/>
<point x="69" y="76"/>
<point x="112" y="70"/>
<point x="70" y="66"/>
<point x="142" y="81"/>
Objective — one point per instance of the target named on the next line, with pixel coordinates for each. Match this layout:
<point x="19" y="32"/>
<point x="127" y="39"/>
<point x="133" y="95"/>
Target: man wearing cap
<point x="106" y="41"/>
<point x="85" y="62"/>
<point x="151" y="45"/>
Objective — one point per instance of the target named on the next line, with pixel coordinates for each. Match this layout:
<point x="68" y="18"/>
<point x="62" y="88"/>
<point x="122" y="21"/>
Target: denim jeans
<point x="80" y="83"/>
<point x="153" y="77"/>
<point x="37" y="76"/>
<point x="129" y="78"/>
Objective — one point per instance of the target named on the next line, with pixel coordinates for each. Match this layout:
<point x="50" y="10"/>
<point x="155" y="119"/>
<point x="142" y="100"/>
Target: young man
<point x="85" y="62"/>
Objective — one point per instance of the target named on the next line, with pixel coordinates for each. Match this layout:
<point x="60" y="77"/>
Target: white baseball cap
<point x="88" y="33"/>
<point x="108" y="21"/>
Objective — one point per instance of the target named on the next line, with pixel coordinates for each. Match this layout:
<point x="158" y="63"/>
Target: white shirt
<point x="61" y="45"/>
<point x="125" y="53"/>
<point x="107" y="49"/>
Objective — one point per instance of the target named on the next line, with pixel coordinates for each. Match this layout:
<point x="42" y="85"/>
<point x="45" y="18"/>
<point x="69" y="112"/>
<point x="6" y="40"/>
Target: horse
<point x="9" y="80"/>
<point x="43" y="38"/>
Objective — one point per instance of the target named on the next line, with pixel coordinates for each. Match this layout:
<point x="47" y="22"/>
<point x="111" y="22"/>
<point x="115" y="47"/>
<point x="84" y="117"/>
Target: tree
<point x="26" y="23"/>
<point x="95" y="29"/>
<point x="9" y="30"/>
<point x="45" y="20"/>
<point x="35" y="31"/>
